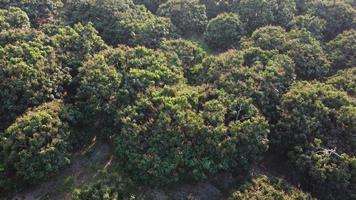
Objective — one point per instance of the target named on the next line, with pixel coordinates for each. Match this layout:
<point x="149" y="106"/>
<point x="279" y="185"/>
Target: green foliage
<point x="188" y="52"/>
<point x="215" y="7"/>
<point x="38" y="10"/>
<point x="318" y="122"/>
<point x="113" y="78"/>
<point x="13" y="18"/>
<point x="37" y="145"/>
<point x="307" y="53"/>
<point x="224" y="31"/>
<point x="313" y="24"/>
<point x="120" y="21"/>
<point x="344" y="80"/>
<point x="151" y="5"/>
<point x="188" y="15"/>
<point x="341" y="50"/>
<point x="108" y="186"/>
<point x="338" y="15"/>
<point x="258" y="13"/>
<point x="75" y="44"/>
<point x="264" y="188"/>
<point x="263" y="75"/>
<point x="29" y="74"/>
<point x="180" y="133"/>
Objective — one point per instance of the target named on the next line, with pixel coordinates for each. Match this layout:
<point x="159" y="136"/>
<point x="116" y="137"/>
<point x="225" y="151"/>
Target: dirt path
<point x="83" y="167"/>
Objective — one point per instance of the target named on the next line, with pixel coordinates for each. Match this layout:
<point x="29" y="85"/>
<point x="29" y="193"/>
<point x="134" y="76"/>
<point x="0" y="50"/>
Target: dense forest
<point x="187" y="99"/>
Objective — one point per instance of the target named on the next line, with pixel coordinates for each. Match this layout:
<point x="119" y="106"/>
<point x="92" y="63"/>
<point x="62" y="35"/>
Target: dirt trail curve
<point x="81" y="171"/>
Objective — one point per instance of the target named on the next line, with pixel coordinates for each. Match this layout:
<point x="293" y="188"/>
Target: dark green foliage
<point x="39" y="11"/>
<point x="151" y="5"/>
<point x="313" y="24"/>
<point x="344" y="80"/>
<point x="29" y="74"/>
<point x="264" y="188"/>
<point x="120" y="21"/>
<point x="224" y="31"/>
<point x="263" y="75"/>
<point x="188" y="52"/>
<point x="13" y="18"/>
<point x="188" y="15"/>
<point x="318" y="129"/>
<point x="258" y="13"/>
<point x="108" y="186"/>
<point x="113" y="78"/>
<point x="215" y="7"/>
<point x="75" y="44"/>
<point x="181" y="133"/>
<point x="37" y="145"/>
<point x="307" y="53"/>
<point x="341" y="50"/>
<point x="338" y="15"/>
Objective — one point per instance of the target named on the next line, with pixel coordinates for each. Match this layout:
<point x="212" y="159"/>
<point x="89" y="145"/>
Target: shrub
<point x="177" y="133"/>
<point x="188" y="15"/>
<point x="37" y="145"/>
<point x="341" y="50"/>
<point x="224" y="31"/>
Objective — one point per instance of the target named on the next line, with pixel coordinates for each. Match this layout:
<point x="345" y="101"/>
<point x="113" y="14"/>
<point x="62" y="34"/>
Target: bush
<point x="188" y="52"/>
<point x="313" y="24"/>
<point x="13" y="18"/>
<point x="188" y="15"/>
<point x="37" y="145"/>
<point x="263" y="187"/>
<point x="224" y="31"/>
<point x="341" y="50"/>
<point x="179" y="133"/>
<point x="29" y="74"/>
<point x="344" y="80"/>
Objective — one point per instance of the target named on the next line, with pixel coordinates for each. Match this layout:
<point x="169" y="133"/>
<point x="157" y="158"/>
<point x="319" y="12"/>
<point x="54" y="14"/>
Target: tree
<point x="224" y="31"/>
<point x="177" y="133"/>
<point x="338" y="15"/>
<point x="188" y="52"/>
<point x="307" y="53"/>
<point x="216" y="7"/>
<point x="317" y="128"/>
<point x="263" y="187"/>
<point x="258" y="13"/>
<point x="39" y="11"/>
<point x="151" y="5"/>
<point x="121" y="22"/>
<point x="29" y="74"/>
<point x="341" y="50"/>
<point x="188" y="16"/>
<point x="344" y="80"/>
<point x="313" y="24"/>
<point x="13" y="18"/>
<point x="37" y="144"/>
